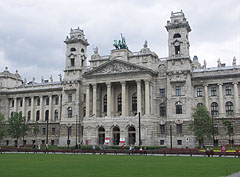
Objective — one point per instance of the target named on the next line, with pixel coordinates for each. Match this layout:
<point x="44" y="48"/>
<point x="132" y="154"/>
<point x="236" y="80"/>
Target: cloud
<point x="32" y="33"/>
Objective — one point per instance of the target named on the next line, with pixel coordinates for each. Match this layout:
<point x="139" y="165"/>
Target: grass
<point x="50" y="165"/>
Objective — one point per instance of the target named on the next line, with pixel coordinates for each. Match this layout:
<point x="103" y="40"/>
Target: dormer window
<point x="177" y="35"/>
<point x="72" y="49"/>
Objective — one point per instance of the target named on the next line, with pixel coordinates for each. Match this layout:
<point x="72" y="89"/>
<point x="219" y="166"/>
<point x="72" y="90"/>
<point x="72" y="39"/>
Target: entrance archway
<point x="116" y="136"/>
<point x="101" y="135"/>
<point x="131" y="135"/>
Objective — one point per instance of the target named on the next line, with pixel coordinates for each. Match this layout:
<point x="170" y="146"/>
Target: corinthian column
<point x="24" y="107"/>
<point x="147" y="98"/>
<point x="94" y="99"/>
<point x="109" y="99"/>
<point x="87" y="101"/>
<point x="139" y="97"/>
<point x="236" y="102"/>
<point x="123" y="98"/>
<point x="206" y="96"/>
<point x="221" y="110"/>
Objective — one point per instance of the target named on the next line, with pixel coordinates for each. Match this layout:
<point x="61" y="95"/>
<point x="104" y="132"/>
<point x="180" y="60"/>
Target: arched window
<point x="72" y="49"/>
<point x="119" y="102"/>
<point x="178" y="107"/>
<point x="56" y="115"/>
<point x="199" y="104"/>
<point x="116" y="135"/>
<point x="134" y="102"/>
<point x="177" y="35"/>
<point x="37" y="115"/>
<point x="28" y="115"/>
<point x="162" y="109"/>
<point x="105" y="103"/>
<point x="229" y="108"/>
<point x="101" y="135"/>
<point x="214" y="109"/>
<point x="46" y="115"/>
<point x="69" y="111"/>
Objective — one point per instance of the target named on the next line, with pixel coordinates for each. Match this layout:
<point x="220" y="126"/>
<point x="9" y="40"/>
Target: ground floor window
<point x="179" y="142"/>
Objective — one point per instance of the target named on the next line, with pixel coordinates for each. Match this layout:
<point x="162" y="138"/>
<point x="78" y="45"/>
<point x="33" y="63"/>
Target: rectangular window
<point x="178" y="91"/>
<point x="52" y="142"/>
<point x="162" y="93"/>
<point x="56" y="100"/>
<point x="228" y="90"/>
<point x="179" y="142"/>
<point x="38" y="101"/>
<point x="199" y="92"/>
<point x="213" y="91"/>
<point x="84" y="98"/>
<point x="21" y="103"/>
<point x="179" y="128"/>
<point x="162" y="110"/>
<point x="162" y="129"/>
<point x="70" y="97"/>
<point x="47" y="101"/>
<point x="43" y="131"/>
<point x="12" y="103"/>
<point x="29" y="102"/>
<point x="53" y="131"/>
<point x="161" y="142"/>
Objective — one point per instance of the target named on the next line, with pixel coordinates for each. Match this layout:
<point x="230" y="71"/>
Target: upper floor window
<point x="56" y="100"/>
<point x="69" y="97"/>
<point x="105" y="103"/>
<point x="179" y="128"/>
<point x="178" y="91"/>
<point x="72" y="49"/>
<point x="37" y="115"/>
<point x="43" y="131"/>
<point x="162" y="93"/>
<point x="213" y="91"/>
<point x="12" y="103"/>
<point x="21" y="103"/>
<point x="72" y="61"/>
<point x="177" y="35"/>
<point x="134" y="101"/>
<point x="38" y="102"/>
<point x="162" y="109"/>
<point x="162" y="129"/>
<point x="84" y="98"/>
<point x="229" y="108"/>
<point x="214" y="109"/>
<point x="47" y="100"/>
<point x="53" y="131"/>
<point x="119" y="99"/>
<point x="199" y="92"/>
<point x="84" y="112"/>
<point x="82" y="50"/>
<point x="199" y="104"/>
<point x="29" y="115"/>
<point x="69" y="111"/>
<point x="178" y="107"/>
<point x="46" y="115"/>
<point x="29" y="102"/>
<point x="56" y="115"/>
<point x="228" y="90"/>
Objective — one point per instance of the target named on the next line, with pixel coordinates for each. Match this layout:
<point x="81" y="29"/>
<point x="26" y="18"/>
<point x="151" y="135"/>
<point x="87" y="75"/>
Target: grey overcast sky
<point x="32" y="31"/>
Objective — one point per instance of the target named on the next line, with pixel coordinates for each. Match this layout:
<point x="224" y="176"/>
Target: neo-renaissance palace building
<point x="101" y="103"/>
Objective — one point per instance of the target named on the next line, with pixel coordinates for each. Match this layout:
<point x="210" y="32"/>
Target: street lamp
<point x="213" y="128"/>
<point x="139" y="121"/>
<point x="68" y="140"/>
<point x="47" y="131"/>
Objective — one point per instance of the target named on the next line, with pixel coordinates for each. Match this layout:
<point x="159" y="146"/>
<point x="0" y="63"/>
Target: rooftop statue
<point x="121" y="44"/>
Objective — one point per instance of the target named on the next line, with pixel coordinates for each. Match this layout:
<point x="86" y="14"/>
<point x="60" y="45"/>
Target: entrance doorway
<point x="131" y="135"/>
<point x="116" y="136"/>
<point x="101" y="135"/>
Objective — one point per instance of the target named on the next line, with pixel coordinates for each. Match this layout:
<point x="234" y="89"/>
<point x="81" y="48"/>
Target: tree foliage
<point x="201" y="124"/>
<point x="2" y="127"/>
<point x="17" y="126"/>
<point x="229" y="127"/>
<point x="36" y="129"/>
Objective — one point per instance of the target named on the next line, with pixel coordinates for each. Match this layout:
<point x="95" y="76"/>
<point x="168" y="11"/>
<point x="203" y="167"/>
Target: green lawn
<point x="69" y="165"/>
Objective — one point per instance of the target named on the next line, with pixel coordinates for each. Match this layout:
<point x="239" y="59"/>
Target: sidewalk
<point x="235" y="175"/>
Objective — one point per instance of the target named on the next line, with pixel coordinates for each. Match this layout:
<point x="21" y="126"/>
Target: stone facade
<point x="102" y="103"/>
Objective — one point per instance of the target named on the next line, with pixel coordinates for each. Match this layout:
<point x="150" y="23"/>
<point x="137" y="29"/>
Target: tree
<point x="228" y="127"/>
<point x="36" y="129"/>
<point x="17" y="126"/>
<point x="201" y="124"/>
<point x="2" y="127"/>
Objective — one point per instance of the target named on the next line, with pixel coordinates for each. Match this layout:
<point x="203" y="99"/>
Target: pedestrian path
<point x="235" y="175"/>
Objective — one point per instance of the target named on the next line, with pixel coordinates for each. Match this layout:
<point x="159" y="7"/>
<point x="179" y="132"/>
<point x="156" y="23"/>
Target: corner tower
<point x="76" y="54"/>
<point x="178" y="29"/>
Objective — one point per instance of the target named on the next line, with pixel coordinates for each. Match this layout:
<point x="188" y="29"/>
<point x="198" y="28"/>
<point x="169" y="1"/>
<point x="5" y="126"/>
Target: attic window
<point x="177" y="35"/>
<point x="72" y="49"/>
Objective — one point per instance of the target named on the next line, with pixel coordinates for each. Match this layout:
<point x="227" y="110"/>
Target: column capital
<point x="220" y="84"/>
<point x="94" y="84"/>
<point x="235" y="82"/>
<point x="108" y="84"/>
<point x="138" y="80"/>
<point x="205" y="85"/>
<point x="123" y="82"/>
<point x="147" y="80"/>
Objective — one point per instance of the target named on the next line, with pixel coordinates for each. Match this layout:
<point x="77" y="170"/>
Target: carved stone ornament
<point x="162" y="121"/>
<point x="117" y="68"/>
<point x="178" y="121"/>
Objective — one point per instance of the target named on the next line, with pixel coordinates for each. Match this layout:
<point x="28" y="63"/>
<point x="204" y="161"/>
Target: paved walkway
<point x="235" y="175"/>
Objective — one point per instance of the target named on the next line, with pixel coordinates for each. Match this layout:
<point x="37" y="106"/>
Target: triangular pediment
<point x="117" y="67"/>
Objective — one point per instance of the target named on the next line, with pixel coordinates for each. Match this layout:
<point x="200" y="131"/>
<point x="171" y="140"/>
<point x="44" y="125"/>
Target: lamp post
<point x="213" y="129"/>
<point x="47" y="131"/>
<point x="76" y="133"/>
<point x="68" y="141"/>
<point x="139" y="121"/>
<point x="171" y="135"/>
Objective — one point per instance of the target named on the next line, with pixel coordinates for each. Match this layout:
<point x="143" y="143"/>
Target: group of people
<point x="35" y="146"/>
